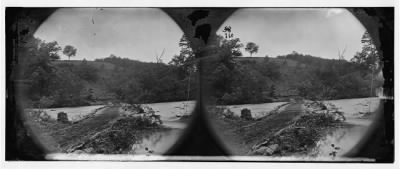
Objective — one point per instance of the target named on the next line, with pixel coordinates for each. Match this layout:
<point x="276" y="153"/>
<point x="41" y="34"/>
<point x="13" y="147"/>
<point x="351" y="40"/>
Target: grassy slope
<point x="98" y="87"/>
<point x="241" y="135"/>
<point x="78" y="132"/>
<point x="289" y="69"/>
<point x="97" y="64"/>
<point x="108" y="132"/>
<point x="60" y="137"/>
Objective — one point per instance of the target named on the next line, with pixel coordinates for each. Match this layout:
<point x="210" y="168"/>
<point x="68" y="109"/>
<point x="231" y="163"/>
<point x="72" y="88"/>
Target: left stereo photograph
<point x="101" y="80"/>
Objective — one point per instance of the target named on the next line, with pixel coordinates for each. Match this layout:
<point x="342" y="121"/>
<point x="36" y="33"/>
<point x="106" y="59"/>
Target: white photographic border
<point x="191" y="3"/>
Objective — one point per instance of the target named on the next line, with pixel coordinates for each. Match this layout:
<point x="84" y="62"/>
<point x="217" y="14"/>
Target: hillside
<point x="259" y="80"/>
<point x="116" y="79"/>
<point x="264" y="79"/>
<point x="96" y="64"/>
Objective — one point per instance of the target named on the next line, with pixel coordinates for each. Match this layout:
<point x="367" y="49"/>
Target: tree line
<point x="231" y="79"/>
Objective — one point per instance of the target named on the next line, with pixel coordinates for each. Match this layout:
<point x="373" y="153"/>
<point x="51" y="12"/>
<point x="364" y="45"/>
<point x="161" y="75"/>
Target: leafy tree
<point x="232" y="46"/>
<point x="38" y="68"/>
<point x="185" y="61"/>
<point x="251" y="47"/>
<point x="369" y="57"/>
<point x="266" y="58"/>
<point x="67" y="89"/>
<point x="69" y="51"/>
<point x="272" y="91"/>
<point x="49" y="50"/>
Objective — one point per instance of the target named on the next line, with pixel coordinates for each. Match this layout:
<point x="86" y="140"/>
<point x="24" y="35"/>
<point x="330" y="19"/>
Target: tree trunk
<point x="188" y="92"/>
<point x="372" y="82"/>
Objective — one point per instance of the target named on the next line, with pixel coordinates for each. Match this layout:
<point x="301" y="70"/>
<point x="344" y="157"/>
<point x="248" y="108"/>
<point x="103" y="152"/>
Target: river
<point x="340" y="141"/>
<point x="160" y="142"/>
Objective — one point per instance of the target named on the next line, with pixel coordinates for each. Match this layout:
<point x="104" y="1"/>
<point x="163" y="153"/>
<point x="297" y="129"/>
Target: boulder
<point x="267" y="150"/>
<point x="228" y="113"/>
<point x="79" y="152"/>
<point x="88" y="150"/>
<point x="44" y="116"/>
<point x="271" y="149"/>
<point x="246" y="114"/>
<point x="337" y="115"/>
<point x="62" y="117"/>
<point x="261" y="150"/>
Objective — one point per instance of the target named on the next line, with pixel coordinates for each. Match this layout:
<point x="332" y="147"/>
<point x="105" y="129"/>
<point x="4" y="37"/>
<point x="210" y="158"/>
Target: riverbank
<point x="239" y="136"/>
<point x="108" y="131"/>
<point x="297" y="131"/>
<point x="360" y="114"/>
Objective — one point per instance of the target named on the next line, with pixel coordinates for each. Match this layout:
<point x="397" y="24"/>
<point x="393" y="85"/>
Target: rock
<point x="88" y="150"/>
<point x="79" y="152"/>
<point x="43" y="116"/>
<point x="246" y="114"/>
<point x="227" y="113"/>
<point x="320" y="111"/>
<point x="261" y="150"/>
<point x="271" y="149"/>
<point x="337" y="115"/>
<point x="267" y="150"/>
<point x="155" y="119"/>
<point x="185" y="117"/>
<point x="62" y="117"/>
<point x="135" y="147"/>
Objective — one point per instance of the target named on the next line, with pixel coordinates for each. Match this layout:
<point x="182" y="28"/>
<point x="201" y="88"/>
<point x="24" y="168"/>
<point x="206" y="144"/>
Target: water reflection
<point x="339" y="141"/>
<point x="156" y="142"/>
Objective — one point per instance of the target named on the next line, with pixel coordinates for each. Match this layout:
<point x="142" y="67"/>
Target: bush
<point x="62" y="117"/>
<point x="120" y="136"/>
<point x="228" y="113"/>
<point x="316" y="120"/>
<point x="246" y="114"/>
<point x="45" y="102"/>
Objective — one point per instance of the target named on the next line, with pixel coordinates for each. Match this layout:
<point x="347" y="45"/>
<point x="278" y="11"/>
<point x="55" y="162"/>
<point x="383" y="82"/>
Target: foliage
<point x="239" y="82"/>
<point x="298" y="138"/>
<point x="50" y="85"/>
<point x="138" y="82"/>
<point x="69" y="51"/>
<point x="86" y="72"/>
<point x="185" y="61"/>
<point x="368" y="57"/>
<point x="120" y="136"/>
<point x="45" y="102"/>
<point x="251" y="47"/>
<point x="35" y="66"/>
<point x="233" y="79"/>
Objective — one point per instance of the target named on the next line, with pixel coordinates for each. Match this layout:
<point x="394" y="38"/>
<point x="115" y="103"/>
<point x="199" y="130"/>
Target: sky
<point x="143" y="33"/>
<point x="135" y="33"/>
<point x="316" y="31"/>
